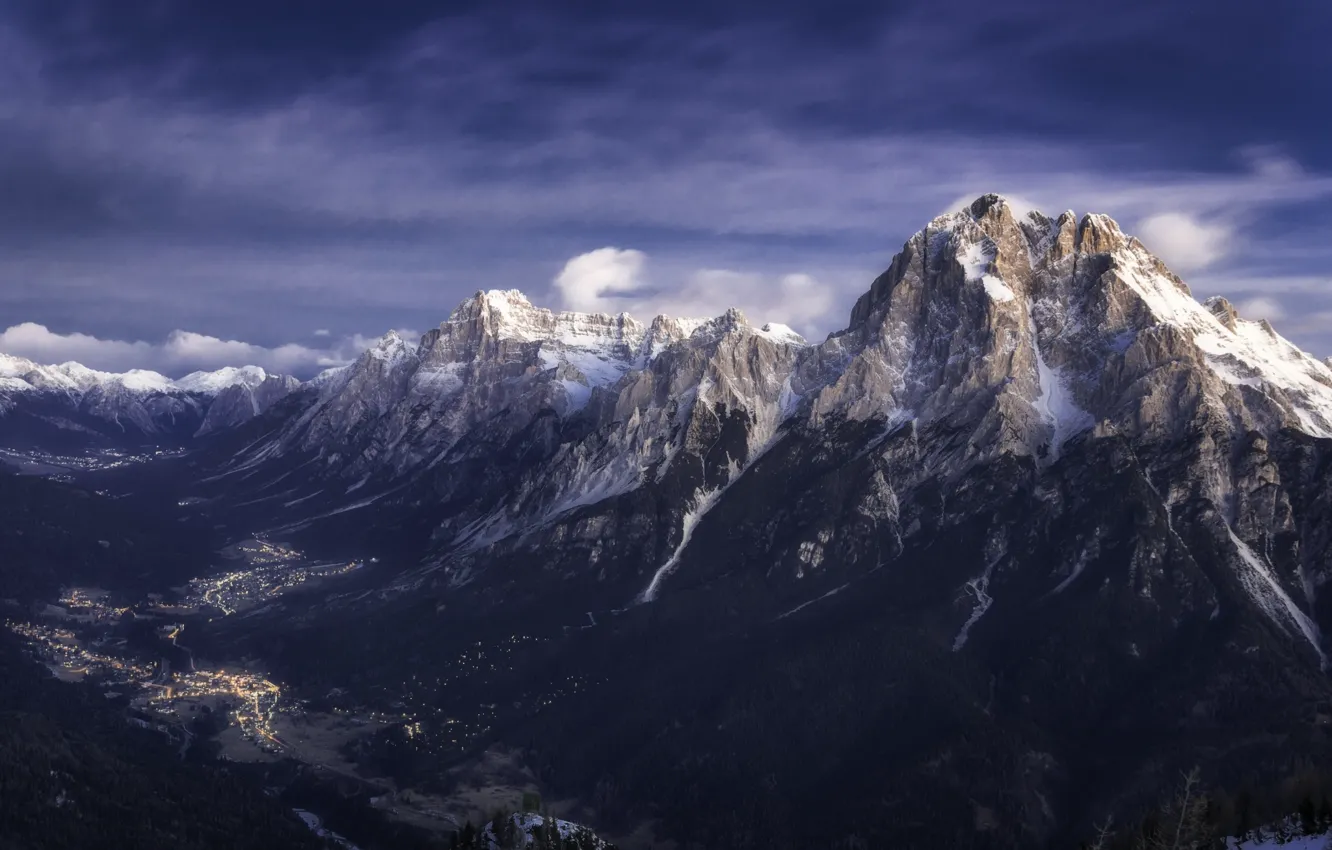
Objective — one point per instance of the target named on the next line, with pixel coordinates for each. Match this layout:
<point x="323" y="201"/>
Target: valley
<point x="136" y="652"/>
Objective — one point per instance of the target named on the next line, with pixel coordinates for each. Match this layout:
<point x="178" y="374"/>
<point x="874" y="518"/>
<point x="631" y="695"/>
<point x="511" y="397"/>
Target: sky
<point x="188" y="184"/>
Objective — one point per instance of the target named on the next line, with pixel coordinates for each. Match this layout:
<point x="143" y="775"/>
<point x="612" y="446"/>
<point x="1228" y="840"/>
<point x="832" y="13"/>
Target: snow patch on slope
<point x="704" y="501"/>
<point x="976" y="261"/>
<point x="997" y="289"/>
<point x="1054" y="403"/>
<point x="780" y="334"/>
<point x="979" y="590"/>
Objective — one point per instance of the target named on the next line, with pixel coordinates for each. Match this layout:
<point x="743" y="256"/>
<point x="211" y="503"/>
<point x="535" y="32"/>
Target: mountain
<point x="1033" y="533"/>
<point x="237" y="395"/>
<point x="1012" y="337"/>
<point x="71" y="404"/>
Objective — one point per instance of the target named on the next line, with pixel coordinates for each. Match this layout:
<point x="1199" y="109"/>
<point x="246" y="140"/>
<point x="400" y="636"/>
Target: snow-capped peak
<point x="781" y="333"/>
<point x="389" y="351"/>
<point x="77" y="378"/>
<point x="13" y="367"/>
<point x="143" y="381"/>
<point x="212" y="383"/>
<point x="143" y="400"/>
<point x="72" y="376"/>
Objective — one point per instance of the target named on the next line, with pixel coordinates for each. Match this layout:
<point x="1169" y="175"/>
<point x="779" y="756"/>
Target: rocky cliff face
<point x="243" y="398"/>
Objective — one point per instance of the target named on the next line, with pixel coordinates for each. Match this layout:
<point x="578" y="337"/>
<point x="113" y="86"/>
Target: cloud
<point x="1185" y="243"/>
<point x="178" y="185"/>
<point x="614" y="280"/>
<point x="1240" y="285"/>
<point x="1261" y="308"/>
<point x="37" y="343"/>
<point x="323" y="332"/>
<point x="181" y="352"/>
<point x="591" y="282"/>
<point x="688" y="144"/>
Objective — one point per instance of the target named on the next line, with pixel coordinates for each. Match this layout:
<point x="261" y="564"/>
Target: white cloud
<point x="1184" y="242"/>
<point x="591" y="282"/>
<point x="323" y="332"/>
<point x="1261" y="308"/>
<point x="181" y="352"/>
<point x="1271" y="162"/>
<point x="36" y="342"/>
<point x="613" y="280"/>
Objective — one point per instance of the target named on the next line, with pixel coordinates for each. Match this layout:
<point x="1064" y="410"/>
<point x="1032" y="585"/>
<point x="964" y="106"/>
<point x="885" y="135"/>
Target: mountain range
<point x="1034" y="531"/>
<point x="137" y="407"/>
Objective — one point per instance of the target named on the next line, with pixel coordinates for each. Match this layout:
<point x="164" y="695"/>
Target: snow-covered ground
<point x="316" y="825"/>
<point x="1268" y="839"/>
<point x="532" y="823"/>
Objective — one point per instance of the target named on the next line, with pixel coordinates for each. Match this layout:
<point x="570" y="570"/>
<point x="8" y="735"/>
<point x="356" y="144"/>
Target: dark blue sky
<point x="263" y="171"/>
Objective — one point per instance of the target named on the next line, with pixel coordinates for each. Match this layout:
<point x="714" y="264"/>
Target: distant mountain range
<point x="137" y="407"/>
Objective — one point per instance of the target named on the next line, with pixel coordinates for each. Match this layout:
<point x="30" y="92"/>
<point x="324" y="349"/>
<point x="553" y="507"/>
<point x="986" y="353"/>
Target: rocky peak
<point x="212" y="383"/>
<point x="1099" y="234"/>
<point x="243" y="400"/>
<point x="732" y="321"/>
<point x="1223" y="310"/>
<point x="1027" y="332"/>
<point x="390" y="348"/>
<point x="983" y="205"/>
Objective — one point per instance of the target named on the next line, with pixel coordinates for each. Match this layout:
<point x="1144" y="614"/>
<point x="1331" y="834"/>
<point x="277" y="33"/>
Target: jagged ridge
<point x="139" y="400"/>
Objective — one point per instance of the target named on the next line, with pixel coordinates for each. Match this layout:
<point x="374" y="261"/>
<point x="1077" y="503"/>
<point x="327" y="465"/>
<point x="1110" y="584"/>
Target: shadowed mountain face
<point x="1034" y="531"/>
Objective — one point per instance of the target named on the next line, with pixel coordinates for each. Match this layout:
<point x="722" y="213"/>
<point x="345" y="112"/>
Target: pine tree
<point x="531" y="801"/>
<point x="1244" y="813"/>
<point x="1182" y="824"/>
<point x="1308" y="816"/>
<point x="550" y="833"/>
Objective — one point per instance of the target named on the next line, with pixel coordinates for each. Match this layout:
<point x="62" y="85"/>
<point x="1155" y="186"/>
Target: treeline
<point x="526" y="831"/>
<point x="1195" y="818"/>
